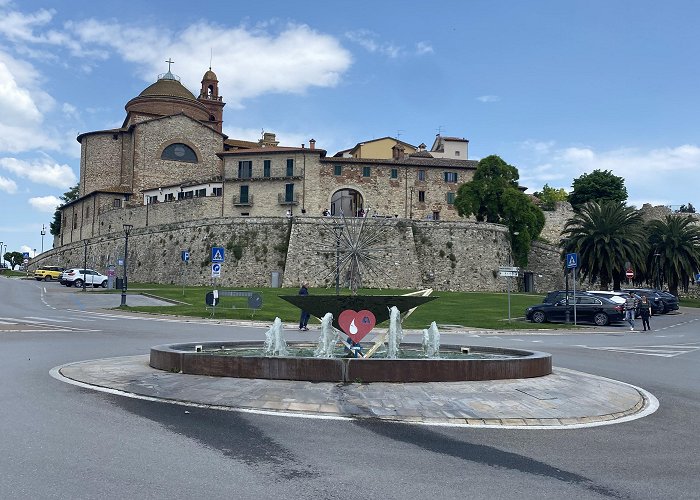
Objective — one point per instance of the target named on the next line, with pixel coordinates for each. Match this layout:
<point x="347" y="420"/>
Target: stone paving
<point x="564" y="398"/>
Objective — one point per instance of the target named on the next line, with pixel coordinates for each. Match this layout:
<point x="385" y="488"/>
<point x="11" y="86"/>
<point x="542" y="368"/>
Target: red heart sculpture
<point x="356" y="324"/>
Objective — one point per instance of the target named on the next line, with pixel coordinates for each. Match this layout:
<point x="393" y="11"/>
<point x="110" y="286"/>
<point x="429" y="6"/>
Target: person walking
<point x="645" y="312"/>
<point x="304" y="318"/>
<point x="630" y="307"/>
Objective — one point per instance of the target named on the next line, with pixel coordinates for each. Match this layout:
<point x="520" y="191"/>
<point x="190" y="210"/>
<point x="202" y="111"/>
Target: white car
<point x="76" y="276"/>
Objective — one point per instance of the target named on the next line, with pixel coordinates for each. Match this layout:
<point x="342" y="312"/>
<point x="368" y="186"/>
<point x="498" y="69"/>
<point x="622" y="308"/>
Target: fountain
<point x="356" y="316"/>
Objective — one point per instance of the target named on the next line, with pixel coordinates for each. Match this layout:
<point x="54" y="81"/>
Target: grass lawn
<point x="476" y="309"/>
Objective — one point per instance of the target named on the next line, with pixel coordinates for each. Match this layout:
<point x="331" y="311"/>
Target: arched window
<point x="179" y="152"/>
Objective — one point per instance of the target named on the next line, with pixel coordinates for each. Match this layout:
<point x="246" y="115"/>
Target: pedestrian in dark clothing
<point x="304" y="318"/>
<point x="645" y="312"/>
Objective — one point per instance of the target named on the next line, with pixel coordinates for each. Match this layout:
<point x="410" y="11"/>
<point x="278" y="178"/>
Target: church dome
<point x="167" y="87"/>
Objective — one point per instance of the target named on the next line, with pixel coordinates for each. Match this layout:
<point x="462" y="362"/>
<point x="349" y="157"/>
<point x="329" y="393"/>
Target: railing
<point x="283" y="199"/>
<point x="246" y="201"/>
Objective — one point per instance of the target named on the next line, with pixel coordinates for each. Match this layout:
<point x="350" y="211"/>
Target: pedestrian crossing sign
<point x="217" y="254"/>
<point x="571" y="260"/>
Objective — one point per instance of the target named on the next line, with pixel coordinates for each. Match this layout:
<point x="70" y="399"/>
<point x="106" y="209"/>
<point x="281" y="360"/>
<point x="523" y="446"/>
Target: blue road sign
<point x="185" y="255"/>
<point x="25" y="255"/>
<point x="215" y="270"/>
<point x="217" y="254"/>
<point x="571" y="260"/>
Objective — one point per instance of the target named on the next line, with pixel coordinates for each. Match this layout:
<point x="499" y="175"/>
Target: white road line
<point x="7" y="323"/>
<point x="55" y="320"/>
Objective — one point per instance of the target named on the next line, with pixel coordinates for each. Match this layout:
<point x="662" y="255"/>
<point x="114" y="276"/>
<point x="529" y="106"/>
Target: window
<point x="456" y="153"/>
<point x="87" y="212"/>
<point x="179" y="152"/>
<point x="421" y="196"/>
<point x="450" y="176"/>
<point x="290" y="167"/>
<point x="185" y="195"/>
<point x="450" y="198"/>
<point x="245" y="169"/>
<point x="217" y="191"/>
<point x="337" y="170"/>
<point x="421" y="175"/>
<point x="266" y="168"/>
<point x="170" y="197"/>
<point x="366" y="171"/>
<point x="288" y="193"/>
<point x="117" y="203"/>
<point x="394" y="173"/>
<point x="436" y="215"/>
<point x="200" y="193"/>
<point x="75" y="221"/>
<point x="152" y="199"/>
<point x="244" y="194"/>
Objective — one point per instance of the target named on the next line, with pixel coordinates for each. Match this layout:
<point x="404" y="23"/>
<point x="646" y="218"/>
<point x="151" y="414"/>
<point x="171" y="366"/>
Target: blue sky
<point x="555" y="88"/>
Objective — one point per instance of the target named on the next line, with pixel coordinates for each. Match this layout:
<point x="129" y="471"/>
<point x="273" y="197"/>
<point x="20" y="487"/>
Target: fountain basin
<point x="505" y="364"/>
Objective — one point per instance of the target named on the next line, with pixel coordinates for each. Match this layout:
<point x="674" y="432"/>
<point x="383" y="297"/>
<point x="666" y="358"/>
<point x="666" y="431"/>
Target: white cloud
<point x="46" y="204"/>
<point x="369" y="41"/>
<point x="424" y="48"/>
<point x="292" y="59"/>
<point x="667" y="176"/>
<point x="41" y="171"/>
<point x="7" y="185"/>
<point x="488" y="98"/>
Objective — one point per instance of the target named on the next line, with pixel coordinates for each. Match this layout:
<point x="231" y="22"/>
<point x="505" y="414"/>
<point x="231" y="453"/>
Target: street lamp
<point x="127" y="230"/>
<point x="3" y="253"/>
<point x="84" y="263"/>
<point x="43" y="233"/>
<point x="410" y="207"/>
<point x="337" y="229"/>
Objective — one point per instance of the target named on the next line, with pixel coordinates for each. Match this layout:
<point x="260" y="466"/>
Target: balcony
<point x="246" y="201"/>
<point x="283" y="199"/>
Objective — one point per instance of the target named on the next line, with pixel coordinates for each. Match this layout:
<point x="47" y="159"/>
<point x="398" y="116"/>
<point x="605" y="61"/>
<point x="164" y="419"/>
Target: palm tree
<point x="675" y="242"/>
<point x="607" y="236"/>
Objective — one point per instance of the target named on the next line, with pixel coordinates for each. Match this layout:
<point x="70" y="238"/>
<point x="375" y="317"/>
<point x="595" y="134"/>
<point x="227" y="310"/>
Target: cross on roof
<point x="169" y="61"/>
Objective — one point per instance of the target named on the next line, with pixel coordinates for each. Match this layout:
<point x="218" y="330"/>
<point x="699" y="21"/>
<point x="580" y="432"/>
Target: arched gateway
<point x="347" y="202"/>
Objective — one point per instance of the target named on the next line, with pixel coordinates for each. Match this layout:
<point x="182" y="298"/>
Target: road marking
<point x="55" y="320"/>
<point x="7" y="323"/>
<point x="663" y="351"/>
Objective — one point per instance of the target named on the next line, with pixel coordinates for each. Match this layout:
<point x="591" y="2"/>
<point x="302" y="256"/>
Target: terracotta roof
<point x="409" y="161"/>
<point x="421" y="154"/>
<point x="109" y="190"/>
<point x="241" y="144"/>
<point x="460" y="139"/>
<point x="210" y="75"/>
<point x="108" y="131"/>
<point x="271" y="150"/>
<point x="167" y="88"/>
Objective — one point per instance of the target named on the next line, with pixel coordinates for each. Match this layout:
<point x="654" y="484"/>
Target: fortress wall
<point x="460" y="256"/>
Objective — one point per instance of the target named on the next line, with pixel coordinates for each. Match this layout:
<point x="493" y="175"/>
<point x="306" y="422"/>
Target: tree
<point x="549" y="197"/>
<point x="599" y="186"/>
<point x="687" y="209"/>
<point x="71" y="195"/>
<point x="481" y="196"/>
<point x="14" y="258"/>
<point x="675" y="250"/>
<point x="493" y="196"/>
<point x="606" y="236"/>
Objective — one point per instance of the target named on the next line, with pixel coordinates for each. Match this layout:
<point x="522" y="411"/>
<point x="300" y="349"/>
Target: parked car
<point x="556" y="295"/>
<point x="75" y="277"/>
<point x="619" y="297"/>
<point x="48" y="273"/>
<point x="589" y="308"/>
<point x="661" y="302"/>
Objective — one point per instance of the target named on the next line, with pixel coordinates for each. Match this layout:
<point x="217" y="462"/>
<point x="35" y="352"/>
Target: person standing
<point x="304" y="318"/>
<point x="645" y="312"/>
<point x="630" y="306"/>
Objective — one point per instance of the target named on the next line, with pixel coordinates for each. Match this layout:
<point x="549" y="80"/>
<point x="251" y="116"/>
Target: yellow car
<point x="48" y="273"/>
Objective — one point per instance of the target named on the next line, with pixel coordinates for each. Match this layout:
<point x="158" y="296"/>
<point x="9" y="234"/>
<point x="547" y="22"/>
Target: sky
<point x="557" y="89"/>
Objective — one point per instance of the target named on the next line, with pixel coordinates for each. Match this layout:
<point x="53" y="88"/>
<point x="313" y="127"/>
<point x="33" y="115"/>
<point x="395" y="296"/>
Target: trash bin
<point x="276" y="281"/>
<point x="120" y="283"/>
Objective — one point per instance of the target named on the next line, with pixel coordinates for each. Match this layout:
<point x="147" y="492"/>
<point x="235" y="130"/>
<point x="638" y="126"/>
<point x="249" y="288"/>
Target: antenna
<point x="439" y="130"/>
<point x="211" y="55"/>
<point x="398" y="134"/>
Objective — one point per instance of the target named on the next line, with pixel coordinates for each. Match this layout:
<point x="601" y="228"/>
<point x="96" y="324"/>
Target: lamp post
<point x="657" y="276"/>
<point x="411" y="203"/>
<point x="337" y="229"/>
<point x="3" y="253"/>
<point x="84" y="262"/>
<point x="43" y="233"/>
<point x="127" y="230"/>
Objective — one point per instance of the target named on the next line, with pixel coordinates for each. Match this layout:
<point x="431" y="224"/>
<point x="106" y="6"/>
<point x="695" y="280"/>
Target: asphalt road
<point x="62" y="441"/>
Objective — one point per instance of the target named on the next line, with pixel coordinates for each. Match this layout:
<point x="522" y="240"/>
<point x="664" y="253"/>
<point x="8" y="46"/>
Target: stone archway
<point x="348" y="202"/>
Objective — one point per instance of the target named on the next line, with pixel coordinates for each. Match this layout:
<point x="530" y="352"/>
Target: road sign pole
<point x="508" y="280"/>
<point x="574" y="296"/>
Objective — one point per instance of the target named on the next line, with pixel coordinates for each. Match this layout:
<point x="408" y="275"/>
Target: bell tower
<point x="209" y="96"/>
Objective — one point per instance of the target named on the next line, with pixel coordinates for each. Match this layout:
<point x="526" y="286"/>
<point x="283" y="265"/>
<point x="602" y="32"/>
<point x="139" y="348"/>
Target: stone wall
<point x="460" y="256"/>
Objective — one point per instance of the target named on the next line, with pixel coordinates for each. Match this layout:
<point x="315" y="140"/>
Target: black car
<point x="661" y="302"/>
<point x="589" y="308"/>
<point x="556" y="295"/>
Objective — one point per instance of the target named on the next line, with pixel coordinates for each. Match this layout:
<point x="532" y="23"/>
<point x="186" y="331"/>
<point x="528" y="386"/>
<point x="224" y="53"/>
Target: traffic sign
<point x="629" y="273"/>
<point x="571" y="260"/>
<point x="217" y="254"/>
<point x="508" y="274"/>
<point x="510" y="269"/>
<point x="216" y="270"/>
<point x="185" y="256"/>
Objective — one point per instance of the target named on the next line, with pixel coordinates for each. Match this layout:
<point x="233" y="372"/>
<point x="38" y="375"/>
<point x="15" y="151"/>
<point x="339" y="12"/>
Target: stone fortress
<point x="172" y="174"/>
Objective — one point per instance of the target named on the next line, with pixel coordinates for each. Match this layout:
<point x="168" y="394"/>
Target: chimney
<point x="398" y="152"/>
<point x="312" y="144"/>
